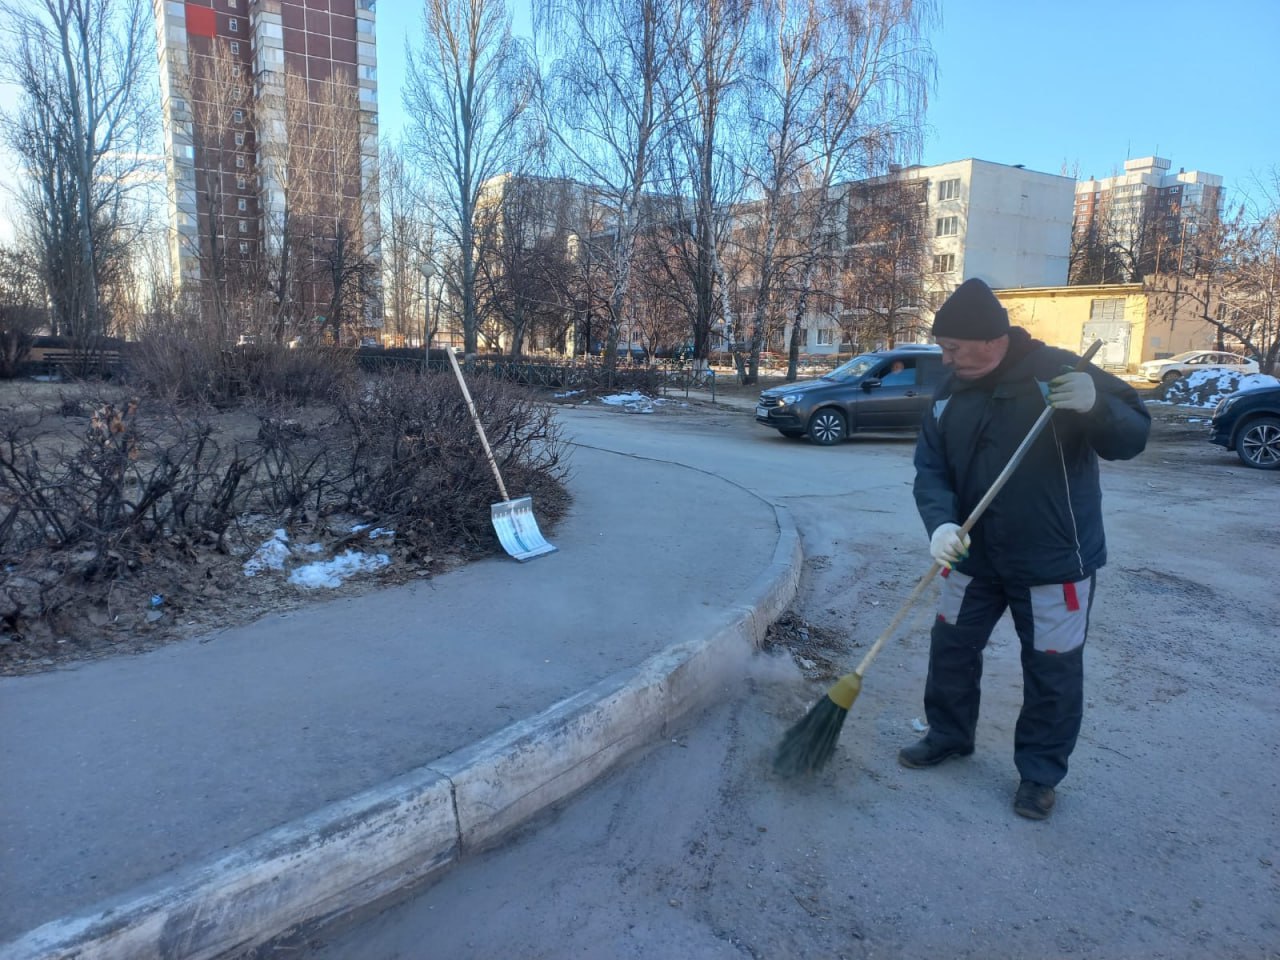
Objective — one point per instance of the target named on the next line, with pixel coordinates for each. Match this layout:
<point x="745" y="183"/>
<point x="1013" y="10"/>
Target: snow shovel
<point x="513" y="520"/>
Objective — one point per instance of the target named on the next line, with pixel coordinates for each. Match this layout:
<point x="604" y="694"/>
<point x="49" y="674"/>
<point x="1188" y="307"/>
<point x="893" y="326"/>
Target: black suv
<point x="1248" y="421"/>
<point x="888" y="391"/>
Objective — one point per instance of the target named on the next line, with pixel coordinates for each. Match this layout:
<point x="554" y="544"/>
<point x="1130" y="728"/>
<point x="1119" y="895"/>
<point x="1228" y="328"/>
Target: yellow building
<point x="1135" y="322"/>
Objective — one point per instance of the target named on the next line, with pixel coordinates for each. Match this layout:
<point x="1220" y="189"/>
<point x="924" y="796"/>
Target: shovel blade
<point x="517" y="529"/>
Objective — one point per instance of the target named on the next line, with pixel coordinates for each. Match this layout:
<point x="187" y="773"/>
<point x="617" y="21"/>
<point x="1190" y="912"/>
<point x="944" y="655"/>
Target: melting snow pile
<point x="635" y="402"/>
<point x="1204" y="388"/>
<point x="275" y="552"/>
<point x="331" y="573"/>
<point x="271" y="555"/>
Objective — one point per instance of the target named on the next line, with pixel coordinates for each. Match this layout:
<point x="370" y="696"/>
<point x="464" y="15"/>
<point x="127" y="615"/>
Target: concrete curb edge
<point x="357" y="851"/>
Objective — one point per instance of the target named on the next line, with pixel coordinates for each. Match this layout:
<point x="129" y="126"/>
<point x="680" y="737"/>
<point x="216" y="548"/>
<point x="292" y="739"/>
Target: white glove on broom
<point x="948" y="546"/>
<point x="1072" y="391"/>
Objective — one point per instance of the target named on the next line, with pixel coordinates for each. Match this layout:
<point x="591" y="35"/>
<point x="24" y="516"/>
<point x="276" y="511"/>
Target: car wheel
<point x="1258" y="443"/>
<point x="826" y="427"/>
<point x="1170" y="376"/>
<point x="792" y="434"/>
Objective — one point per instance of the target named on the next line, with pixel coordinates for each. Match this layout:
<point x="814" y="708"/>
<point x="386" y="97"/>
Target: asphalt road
<point x="1165" y="840"/>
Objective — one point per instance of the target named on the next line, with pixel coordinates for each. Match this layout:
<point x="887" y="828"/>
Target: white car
<point x="1172" y="368"/>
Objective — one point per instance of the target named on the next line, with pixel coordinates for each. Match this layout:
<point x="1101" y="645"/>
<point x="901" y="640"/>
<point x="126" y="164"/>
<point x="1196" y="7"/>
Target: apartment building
<point x="270" y="130"/>
<point x="1143" y="221"/>
<point x="1003" y="223"/>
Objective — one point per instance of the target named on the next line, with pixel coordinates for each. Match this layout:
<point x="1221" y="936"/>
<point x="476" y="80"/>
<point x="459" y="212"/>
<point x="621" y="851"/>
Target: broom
<point x="809" y="744"/>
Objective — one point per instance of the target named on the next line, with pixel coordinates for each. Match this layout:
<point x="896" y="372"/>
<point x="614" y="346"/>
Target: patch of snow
<point x="377" y="532"/>
<point x="1205" y="388"/>
<point x="569" y="393"/>
<point x="635" y="401"/>
<point x="270" y="555"/>
<point x="331" y="573"/>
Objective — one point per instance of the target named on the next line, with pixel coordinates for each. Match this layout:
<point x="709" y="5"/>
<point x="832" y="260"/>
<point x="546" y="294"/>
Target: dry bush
<point x="181" y="369"/>
<point x="101" y="496"/>
<point x="417" y="462"/>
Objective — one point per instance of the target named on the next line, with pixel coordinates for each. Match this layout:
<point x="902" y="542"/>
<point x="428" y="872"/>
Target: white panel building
<point x="1006" y="225"/>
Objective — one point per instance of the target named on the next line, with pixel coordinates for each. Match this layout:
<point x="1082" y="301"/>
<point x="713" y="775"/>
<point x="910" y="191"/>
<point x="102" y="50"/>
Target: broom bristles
<point x="809" y="744"/>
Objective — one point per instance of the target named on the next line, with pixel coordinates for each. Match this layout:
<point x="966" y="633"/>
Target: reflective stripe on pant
<point x="1052" y="622"/>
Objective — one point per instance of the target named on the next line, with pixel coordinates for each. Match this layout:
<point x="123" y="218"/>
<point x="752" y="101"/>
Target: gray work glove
<point x="1072" y="391"/>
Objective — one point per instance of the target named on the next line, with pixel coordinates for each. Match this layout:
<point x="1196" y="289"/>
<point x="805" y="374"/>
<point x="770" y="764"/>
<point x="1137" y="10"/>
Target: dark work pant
<point x="1052" y="622"/>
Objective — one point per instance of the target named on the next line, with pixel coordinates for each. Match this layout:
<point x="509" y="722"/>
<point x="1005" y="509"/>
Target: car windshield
<point x="854" y="369"/>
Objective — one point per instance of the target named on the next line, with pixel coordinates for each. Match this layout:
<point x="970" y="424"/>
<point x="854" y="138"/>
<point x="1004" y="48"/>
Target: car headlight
<point x="1225" y="404"/>
<point x="785" y="399"/>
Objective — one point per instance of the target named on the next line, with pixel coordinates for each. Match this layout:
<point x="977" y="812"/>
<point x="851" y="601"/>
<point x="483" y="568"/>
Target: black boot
<point x="925" y="753"/>
<point x="1033" y="800"/>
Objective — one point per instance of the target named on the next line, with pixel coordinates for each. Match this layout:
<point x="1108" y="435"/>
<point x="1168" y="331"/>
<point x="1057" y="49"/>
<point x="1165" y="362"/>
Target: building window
<point x="240" y="161"/>
<point x="243" y="226"/>
<point x="1110" y="309"/>
<point x="826" y="336"/>
<point x="237" y="116"/>
<point x="235" y="47"/>
<point x="944" y="263"/>
<point x="369" y="73"/>
<point x="242" y="204"/>
<point x="240" y="143"/>
<point x="947" y="226"/>
<point x="234" y="25"/>
<point x="364" y="26"/>
<point x="949" y="189"/>
<point x="241" y="183"/>
<point x="244" y="246"/>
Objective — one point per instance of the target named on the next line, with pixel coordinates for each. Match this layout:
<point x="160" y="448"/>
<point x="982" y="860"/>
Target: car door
<point x="896" y="403"/>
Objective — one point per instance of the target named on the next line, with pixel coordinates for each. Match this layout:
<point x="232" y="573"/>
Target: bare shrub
<point x="119" y="488"/>
<point x="105" y="499"/>
<point x="418" y="464"/>
<point x="182" y="369"/>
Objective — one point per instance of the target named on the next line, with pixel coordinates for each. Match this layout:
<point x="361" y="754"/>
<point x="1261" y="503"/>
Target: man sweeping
<point x="1036" y="549"/>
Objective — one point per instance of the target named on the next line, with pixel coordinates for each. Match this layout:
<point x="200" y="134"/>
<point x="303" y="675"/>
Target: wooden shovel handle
<point x="977" y="512"/>
<point x="475" y="418"/>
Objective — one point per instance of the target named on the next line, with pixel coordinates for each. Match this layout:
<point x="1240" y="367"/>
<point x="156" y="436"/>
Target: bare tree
<point x="1235" y="287"/>
<point x="85" y="112"/>
<point x="470" y="84"/>
<point x="703" y="91"/>
<point x="22" y="306"/>
<point x="605" y="110"/>
<point x="522" y="236"/>
<point x="1121" y="243"/>
<point x="785" y="95"/>
<point x="217" y="88"/>
<point x="884" y="261"/>
<point x="407" y="246"/>
<point x="871" y="112"/>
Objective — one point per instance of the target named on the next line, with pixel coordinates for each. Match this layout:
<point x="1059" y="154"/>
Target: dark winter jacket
<point x="1045" y="526"/>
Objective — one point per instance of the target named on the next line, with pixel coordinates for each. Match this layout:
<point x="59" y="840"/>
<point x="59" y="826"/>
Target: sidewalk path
<point x="184" y="791"/>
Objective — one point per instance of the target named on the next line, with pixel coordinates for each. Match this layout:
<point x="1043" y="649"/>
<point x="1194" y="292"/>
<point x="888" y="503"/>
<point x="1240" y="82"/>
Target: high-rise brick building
<point x="270" y="110"/>
<point x="1142" y="221"/>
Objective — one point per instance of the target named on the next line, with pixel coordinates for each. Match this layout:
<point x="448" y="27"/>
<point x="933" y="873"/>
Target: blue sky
<point x="1085" y="83"/>
<point x="1048" y="83"/>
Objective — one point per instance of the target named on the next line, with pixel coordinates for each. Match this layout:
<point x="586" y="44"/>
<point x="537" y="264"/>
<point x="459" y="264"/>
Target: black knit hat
<point x="972" y="312"/>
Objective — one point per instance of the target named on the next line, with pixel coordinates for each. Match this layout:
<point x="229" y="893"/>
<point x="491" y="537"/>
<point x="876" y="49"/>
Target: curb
<point x="356" y="852"/>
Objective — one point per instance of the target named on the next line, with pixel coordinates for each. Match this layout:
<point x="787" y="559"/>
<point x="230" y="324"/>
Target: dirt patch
<point x="818" y="651"/>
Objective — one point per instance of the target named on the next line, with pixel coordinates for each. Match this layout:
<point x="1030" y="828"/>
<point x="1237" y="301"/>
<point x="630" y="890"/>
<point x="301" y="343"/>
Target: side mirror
<point x="870" y="384"/>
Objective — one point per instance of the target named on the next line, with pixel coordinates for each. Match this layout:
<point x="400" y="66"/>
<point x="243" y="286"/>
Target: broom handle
<point x="475" y="418"/>
<point x="977" y="512"/>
